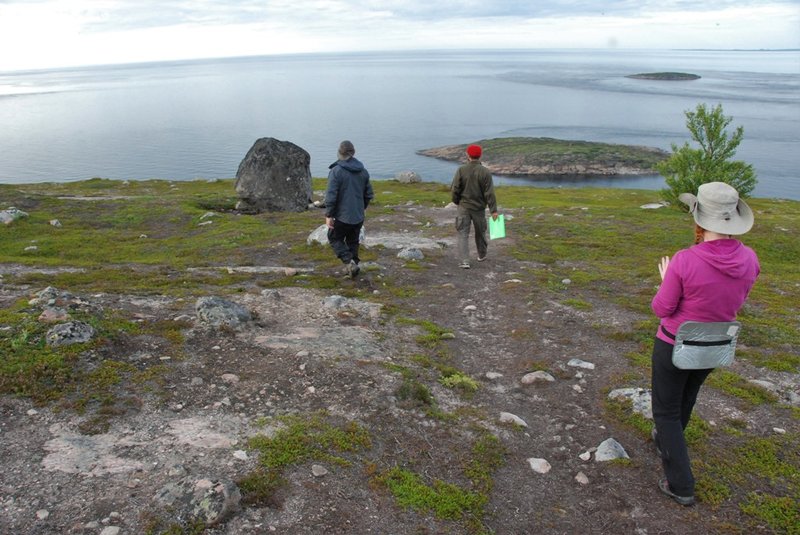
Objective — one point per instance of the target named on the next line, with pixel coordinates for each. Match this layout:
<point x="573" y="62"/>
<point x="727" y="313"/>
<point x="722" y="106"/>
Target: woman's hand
<point x="662" y="266"/>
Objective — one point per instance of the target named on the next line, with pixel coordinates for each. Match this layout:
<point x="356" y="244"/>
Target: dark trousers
<point x="465" y="219"/>
<point x="674" y="395"/>
<point x="343" y="237"/>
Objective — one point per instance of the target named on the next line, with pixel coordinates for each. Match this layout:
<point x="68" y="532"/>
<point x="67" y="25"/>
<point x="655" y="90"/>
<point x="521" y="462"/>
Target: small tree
<point x="688" y="167"/>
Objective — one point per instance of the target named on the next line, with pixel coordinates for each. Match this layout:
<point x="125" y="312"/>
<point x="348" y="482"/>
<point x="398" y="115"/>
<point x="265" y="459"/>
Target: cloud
<point x="47" y="33"/>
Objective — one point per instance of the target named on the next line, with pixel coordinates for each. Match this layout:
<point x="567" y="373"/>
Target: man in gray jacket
<point x="346" y="199"/>
<point x="473" y="190"/>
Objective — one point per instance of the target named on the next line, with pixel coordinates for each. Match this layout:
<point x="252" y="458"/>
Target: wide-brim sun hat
<point x="718" y="208"/>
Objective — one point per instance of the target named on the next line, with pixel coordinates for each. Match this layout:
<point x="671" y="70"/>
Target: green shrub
<point x="689" y="167"/>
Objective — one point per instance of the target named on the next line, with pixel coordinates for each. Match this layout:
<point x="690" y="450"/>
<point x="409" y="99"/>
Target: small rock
<point x="32" y="412"/>
<point x="779" y="430"/>
<point x="53" y="315"/>
<point x="219" y="312"/>
<point x="55" y="222"/>
<point x="654" y="205"/>
<point x="240" y="454"/>
<point x="539" y="465"/>
<point x="492" y="376"/>
<point x="74" y="332"/>
<point x="566" y="282"/>
<point x="230" y="378"/>
<point x="610" y="449"/>
<point x="578" y="363"/>
<point x="42" y="514"/>
<point x="640" y="399"/>
<point x="470" y="308"/>
<point x="581" y="478"/>
<point x="507" y="417"/>
<point x="537" y="376"/>
<point x="585" y="456"/>
<point x="318" y="470"/>
<point x="110" y="530"/>
<point x="410" y="253"/>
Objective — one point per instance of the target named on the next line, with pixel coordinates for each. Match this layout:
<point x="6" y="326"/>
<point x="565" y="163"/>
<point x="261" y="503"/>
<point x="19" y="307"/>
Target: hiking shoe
<point x="481" y="258"/>
<point x="654" y="435"/>
<point x="353" y="269"/>
<point x="663" y="486"/>
<point x="464" y="265"/>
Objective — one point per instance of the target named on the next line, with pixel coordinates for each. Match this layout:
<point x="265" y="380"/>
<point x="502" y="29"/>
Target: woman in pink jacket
<point x="708" y="282"/>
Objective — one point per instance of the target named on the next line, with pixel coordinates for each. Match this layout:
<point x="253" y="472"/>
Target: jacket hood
<point x="351" y="164"/>
<point x="728" y="256"/>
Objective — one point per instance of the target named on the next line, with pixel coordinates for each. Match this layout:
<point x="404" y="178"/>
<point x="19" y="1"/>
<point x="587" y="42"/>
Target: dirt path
<point x="138" y="468"/>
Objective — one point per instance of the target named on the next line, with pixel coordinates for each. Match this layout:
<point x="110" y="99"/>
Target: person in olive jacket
<point x="472" y="191"/>
<point x="346" y="199"/>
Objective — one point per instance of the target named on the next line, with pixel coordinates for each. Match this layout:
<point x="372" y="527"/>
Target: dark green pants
<point x="464" y="221"/>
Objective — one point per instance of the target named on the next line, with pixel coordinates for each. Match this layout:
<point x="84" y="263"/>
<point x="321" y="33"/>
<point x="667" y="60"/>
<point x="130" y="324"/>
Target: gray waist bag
<point x="699" y="346"/>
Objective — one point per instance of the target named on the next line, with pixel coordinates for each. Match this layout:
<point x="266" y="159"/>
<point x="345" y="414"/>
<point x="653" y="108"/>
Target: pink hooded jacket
<point x="707" y="282"/>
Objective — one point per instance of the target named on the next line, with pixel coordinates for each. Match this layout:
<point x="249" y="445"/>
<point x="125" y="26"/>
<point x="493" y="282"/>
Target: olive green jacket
<point x="473" y="188"/>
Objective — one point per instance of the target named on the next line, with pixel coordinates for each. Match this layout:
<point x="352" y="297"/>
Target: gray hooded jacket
<point x="349" y="191"/>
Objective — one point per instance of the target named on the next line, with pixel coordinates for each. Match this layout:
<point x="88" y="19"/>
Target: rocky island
<point x="548" y="157"/>
<point x="669" y="76"/>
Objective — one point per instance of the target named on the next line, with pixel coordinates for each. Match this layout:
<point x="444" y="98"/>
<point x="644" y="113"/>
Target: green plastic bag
<point x="497" y="227"/>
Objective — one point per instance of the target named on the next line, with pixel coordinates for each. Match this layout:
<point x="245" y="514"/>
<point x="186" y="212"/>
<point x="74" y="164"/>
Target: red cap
<point x="474" y="151"/>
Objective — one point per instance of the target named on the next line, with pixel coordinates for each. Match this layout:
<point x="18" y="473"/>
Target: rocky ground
<point x="178" y="450"/>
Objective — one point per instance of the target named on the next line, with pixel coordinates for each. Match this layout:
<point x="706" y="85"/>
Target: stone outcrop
<point x="219" y="312"/>
<point x="73" y="332"/>
<point x="274" y="176"/>
<point x="408" y="177"/>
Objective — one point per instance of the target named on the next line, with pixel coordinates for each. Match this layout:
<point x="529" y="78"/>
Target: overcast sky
<point x="54" y="33"/>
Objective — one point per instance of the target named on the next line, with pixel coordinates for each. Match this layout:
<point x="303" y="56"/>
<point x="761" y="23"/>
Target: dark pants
<point x="343" y="237"/>
<point x="465" y="219"/>
<point x="674" y="395"/>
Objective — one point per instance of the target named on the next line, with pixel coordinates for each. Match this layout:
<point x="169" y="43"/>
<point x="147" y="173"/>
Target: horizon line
<point x="366" y="52"/>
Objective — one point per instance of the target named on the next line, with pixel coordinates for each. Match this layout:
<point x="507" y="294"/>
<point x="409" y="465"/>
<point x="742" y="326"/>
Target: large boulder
<point x="274" y="176"/>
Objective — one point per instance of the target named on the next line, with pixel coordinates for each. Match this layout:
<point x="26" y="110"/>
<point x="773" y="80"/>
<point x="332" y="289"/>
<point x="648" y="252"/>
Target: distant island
<point x="671" y="76"/>
<point x="548" y="157"/>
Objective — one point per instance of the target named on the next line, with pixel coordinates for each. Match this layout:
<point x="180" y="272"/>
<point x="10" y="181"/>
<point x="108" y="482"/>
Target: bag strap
<point x="699" y="343"/>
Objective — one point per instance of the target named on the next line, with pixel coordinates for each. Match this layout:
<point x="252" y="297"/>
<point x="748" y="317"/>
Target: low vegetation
<point x="599" y="239"/>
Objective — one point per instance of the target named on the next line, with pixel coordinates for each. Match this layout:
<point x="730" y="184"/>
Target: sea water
<point x="197" y="119"/>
